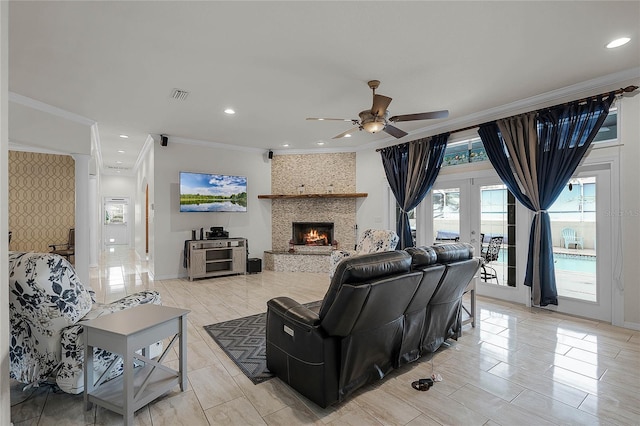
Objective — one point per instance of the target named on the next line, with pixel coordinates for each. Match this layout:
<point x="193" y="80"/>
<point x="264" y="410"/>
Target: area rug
<point x="244" y="341"/>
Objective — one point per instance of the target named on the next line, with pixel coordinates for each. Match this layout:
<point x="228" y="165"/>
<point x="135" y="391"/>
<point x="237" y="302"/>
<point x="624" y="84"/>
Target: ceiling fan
<point x="376" y="119"/>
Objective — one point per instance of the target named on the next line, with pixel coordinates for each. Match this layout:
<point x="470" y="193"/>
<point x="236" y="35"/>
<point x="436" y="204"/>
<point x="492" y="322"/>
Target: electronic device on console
<point x="217" y="232"/>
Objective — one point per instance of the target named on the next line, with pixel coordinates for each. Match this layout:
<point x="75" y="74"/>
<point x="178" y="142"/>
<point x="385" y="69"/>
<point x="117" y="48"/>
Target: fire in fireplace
<point x="312" y="233"/>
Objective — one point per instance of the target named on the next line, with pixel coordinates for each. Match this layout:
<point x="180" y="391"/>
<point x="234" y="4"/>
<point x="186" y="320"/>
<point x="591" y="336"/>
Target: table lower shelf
<point x="110" y="394"/>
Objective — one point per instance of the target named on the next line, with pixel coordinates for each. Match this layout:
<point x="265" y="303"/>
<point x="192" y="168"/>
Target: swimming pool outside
<point x="565" y="261"/>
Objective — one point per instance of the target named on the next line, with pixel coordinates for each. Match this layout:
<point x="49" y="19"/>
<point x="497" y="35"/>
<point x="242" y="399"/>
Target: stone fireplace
<point x="312" y="233"/>
<point x="314" y="173"/>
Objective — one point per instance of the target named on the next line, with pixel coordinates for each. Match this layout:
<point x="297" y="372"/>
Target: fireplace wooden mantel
<point x="298" y="196"/>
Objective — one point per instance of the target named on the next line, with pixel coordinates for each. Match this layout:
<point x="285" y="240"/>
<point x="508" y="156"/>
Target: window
<point x="472" y="150"/>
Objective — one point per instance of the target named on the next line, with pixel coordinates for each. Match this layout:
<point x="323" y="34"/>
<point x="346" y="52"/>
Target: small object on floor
<point x="436" y="377"/>
<point x="422" y="384"/>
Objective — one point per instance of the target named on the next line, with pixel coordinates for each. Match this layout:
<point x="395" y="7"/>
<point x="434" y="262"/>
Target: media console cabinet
<point x="211" y="258"/>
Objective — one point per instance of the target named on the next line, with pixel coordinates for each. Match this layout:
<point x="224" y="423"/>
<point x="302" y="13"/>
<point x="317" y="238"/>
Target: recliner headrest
<point x="364" y="269"/>
<point x="367" y="267"/>
<point x="448" y="253"/>
<point x="422" y="256"/>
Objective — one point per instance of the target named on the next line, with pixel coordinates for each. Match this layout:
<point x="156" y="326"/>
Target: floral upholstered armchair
<point x="47" y="306"/>
<point x="371" y="241"/>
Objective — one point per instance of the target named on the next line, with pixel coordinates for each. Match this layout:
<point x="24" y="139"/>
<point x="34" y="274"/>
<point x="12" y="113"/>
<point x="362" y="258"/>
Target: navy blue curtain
<point x="411" y="170"/>
<point x="535" y="155"/>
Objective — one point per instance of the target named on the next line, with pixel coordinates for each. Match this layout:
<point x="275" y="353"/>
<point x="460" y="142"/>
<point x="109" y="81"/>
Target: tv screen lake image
<point x="201" y="192"/>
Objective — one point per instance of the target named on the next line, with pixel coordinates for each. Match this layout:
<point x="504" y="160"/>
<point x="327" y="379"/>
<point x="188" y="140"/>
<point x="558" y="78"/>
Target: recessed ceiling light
<point x="320" y="143"/>
<point x="285" y="145"/>
<point x="229" y="111"/>
<point x="118" y="162"/>
<point x="120" y="151"/>
<point x="124" y="136"/>
<point x="348" y="135"/>
<point x="618" y="42"/>
<point x="320" y="119"/>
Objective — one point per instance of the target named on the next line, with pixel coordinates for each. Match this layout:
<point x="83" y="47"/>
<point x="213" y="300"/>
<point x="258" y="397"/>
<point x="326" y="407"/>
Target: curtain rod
<point x="618" y="92"/>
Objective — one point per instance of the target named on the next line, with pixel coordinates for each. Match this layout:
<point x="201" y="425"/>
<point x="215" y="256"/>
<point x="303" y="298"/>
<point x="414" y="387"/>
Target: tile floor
<point x="519" y="366"/>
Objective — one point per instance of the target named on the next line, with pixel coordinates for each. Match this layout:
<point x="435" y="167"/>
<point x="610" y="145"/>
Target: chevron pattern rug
<point x="244" y="341"/>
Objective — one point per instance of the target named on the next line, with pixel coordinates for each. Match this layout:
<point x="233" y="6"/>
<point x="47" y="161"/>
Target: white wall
<point x="5" y="396"/>
<point x="629" y="213"/>
<point x="172" y="228"/>
<point x="370" y="178"/>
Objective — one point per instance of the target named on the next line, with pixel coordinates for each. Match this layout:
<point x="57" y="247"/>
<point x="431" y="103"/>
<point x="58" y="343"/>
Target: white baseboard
<point x="631" y="325"/>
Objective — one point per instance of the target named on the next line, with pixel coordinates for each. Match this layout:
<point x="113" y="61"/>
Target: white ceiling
<point x="276" y="63"/>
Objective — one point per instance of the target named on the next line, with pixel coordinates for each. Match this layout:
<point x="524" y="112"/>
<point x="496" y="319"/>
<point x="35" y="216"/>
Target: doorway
<point x="116" y="221"/>
<point x="476" y="210"/>
<point x="582" y="244"/>
<point x="466" y="208"/>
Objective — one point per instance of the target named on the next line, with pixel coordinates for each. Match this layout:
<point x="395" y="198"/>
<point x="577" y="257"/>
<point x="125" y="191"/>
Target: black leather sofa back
<point x="365" y="306"/>
<point x="444" y="314"/>
<point x="376" y="315"/>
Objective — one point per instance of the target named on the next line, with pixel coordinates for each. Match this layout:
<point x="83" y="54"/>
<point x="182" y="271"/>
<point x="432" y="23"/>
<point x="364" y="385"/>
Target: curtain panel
<point x="411" y="170"/>
<point x="535" y="154"/>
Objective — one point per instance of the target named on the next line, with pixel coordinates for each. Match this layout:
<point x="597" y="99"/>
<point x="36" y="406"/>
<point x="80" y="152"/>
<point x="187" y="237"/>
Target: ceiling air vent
<point x="178" y="94"/>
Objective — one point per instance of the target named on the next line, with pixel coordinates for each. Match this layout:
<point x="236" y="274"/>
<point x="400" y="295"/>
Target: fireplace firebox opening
<point x="312" y="233"/>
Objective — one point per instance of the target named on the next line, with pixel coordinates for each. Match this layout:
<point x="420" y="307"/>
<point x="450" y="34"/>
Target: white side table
<point x="123" y="333"/>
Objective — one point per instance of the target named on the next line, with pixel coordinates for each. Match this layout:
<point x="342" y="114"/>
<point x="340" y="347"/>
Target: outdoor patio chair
<point x="569" y="236"/>
<point x="490" y="254"/>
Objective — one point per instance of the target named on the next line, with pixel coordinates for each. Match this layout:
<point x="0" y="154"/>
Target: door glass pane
<point x="446" y="214"/>
<point x="573" y="226"/>
<point x="494" y="235"/>
<point x="115" y="213"/>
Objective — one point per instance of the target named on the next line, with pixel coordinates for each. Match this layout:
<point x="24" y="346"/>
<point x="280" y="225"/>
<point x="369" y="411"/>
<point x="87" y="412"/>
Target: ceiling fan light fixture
<point x="373" y="126"/>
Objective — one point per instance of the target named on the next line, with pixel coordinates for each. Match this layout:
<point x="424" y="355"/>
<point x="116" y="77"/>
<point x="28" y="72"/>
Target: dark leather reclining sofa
<point x="381" y="311"/>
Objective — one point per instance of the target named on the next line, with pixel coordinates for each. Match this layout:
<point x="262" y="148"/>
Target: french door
<point x="473" y="210"/>
<point x="582" y="233"/>
<point x="478" y="206"/>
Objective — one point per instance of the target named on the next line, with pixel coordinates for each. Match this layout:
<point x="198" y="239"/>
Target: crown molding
<point x="313" y="151"/>
<point x="41" y="106"/>
<point x="553" y="97"/>
<point x="148" y="144"/>
<point x="22" y="147"/>
<point x="209" y="144"/>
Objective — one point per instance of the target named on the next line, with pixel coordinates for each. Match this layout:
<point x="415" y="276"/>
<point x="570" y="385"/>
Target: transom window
<point x="472" y="150"/>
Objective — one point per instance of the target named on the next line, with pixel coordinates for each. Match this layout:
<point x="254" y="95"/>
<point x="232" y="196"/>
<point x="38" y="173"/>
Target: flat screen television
<point x="202" y="192"/>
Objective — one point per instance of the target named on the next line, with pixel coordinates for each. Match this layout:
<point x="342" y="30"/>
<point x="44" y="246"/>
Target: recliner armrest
<point x="294" y="311"/>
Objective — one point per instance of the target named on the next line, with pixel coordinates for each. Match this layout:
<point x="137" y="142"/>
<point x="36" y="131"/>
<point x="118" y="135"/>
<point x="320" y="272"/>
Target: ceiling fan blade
<point x="329" y="119"/>
<point x="380" y="105"/>
<point x="394" y="131"/>
<point x="420" y="116"/>
<point x="343" y="134"/>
